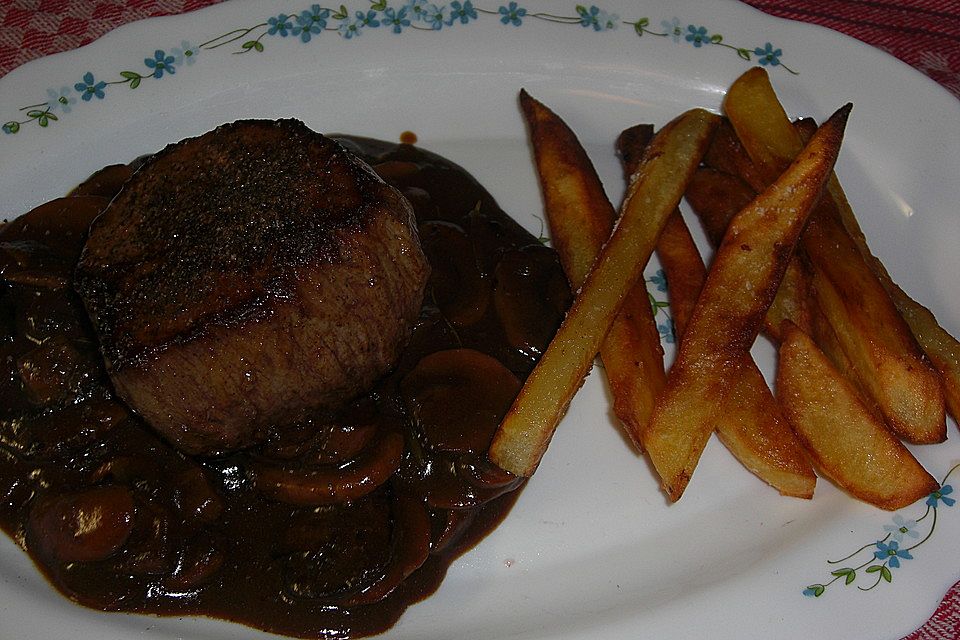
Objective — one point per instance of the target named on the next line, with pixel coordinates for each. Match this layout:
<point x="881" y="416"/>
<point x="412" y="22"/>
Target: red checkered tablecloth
<point x="922" y="33"/>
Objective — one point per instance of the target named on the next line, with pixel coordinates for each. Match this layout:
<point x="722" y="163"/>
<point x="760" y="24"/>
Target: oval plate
<point x="591" y="550"/>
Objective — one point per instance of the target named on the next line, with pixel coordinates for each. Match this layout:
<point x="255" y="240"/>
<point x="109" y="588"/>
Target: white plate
<point x="591" y="550"/>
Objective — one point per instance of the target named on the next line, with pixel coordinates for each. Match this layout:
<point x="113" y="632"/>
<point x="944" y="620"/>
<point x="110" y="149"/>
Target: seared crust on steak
<point x="247" y="275"/>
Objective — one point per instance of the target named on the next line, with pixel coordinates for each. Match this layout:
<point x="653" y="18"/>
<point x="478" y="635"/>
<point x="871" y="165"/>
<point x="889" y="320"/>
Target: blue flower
<point x="311" y="22"/>
<point x="588" y="17"/>
<point x="186" y="53"/>
<point x="433" y="16"/>
<point x="941" y="495"/>
<point x="61" y="99"/>
<point x="608" y="21"/>
<point x="902" y="527"/>
<point x="672" y="28"/>
<point x="659" y="279"/>
<point x="416" y="9"/>
<point x="280" y="24"/>
<point x="667" y="332"/>
<point x="160" y="63"/>
<point x="90" y="87"/>
<point x="892" y="553"/>
<point x="698" y="36"/>
<point x="350" y="28"/>
<point x="463" y="12"/>
<point x="368" y="20"/>
<point x="599" y="20"/>
<point x="512" y="14"/>
<point x="396" y="19"/>
<point x="768" y="55"/>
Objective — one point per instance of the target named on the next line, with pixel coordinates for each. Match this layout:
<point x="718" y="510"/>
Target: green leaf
<point x="643" y="22"/>
<point x="638" y="28"/>
<point x="52" y="116"/>
<point x="744" y="53"/>
<point x="12" y="126"/>
<point x="581" y="9"/>
<point x="874" y="568"/>
<point x="133" y="78"/>
<point x="885" y="574"/>
<point x="817" y="589"/>
<point x="341" y="14"/>
<point x="35" y="113"/>
<point x="379" y="6"/>
<point x="43" y="120"/>
<point x="849" y="574"/>
<point x="716" y="38"/>
<point x="258" y="46"/>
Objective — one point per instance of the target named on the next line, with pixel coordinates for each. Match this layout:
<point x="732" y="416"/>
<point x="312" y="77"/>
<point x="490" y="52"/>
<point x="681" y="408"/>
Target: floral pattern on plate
<point x="313" y="22"/>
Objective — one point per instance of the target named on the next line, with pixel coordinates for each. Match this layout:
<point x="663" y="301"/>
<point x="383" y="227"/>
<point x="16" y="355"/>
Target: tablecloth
<point x="923" y="33"/>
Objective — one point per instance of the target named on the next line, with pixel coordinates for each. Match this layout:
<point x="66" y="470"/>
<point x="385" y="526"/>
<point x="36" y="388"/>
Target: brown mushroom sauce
<point x="333" y="526"/>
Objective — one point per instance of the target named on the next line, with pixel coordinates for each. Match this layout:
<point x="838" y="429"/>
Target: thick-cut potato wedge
<point x="727" y="155"/>
<point x="941" y="347"/>
<point x="879" y="344"/>
<point x="741" y="283"/>
<point x="652" y="196"/>
<point x="753" y="428"/>
<point x="685" y="276"/>
<point x="846" y="440"/>
<point x="750" y="423"/>
<point x="581" y="218"/>
<point x="716" y="196"/>
<point x="677" y="251"/>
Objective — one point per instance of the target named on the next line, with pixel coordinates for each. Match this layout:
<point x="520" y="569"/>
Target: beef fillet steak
<point x="247" y="275"/>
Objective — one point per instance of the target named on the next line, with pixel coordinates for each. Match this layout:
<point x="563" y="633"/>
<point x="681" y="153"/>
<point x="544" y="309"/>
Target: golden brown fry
<point x="727" y="155"/>
<point x="716" y="197"/>
<point x="740" y="286"/>
<point x="941" y="347"/>
<point x="882" y="350"/>
<point x="752" y="427"/>
<point x="676" y="248"/>
<point x="684" y="268"/>
<point x="581" y="219"/>
<point x="750" y="423"/>
<point x="849" y="444"/>
<point x="653" y="194"/>
<point x="880" y="347"/>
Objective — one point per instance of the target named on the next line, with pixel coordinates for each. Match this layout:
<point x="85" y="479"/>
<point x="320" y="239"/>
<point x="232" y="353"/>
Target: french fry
<point x="727" y="155"/>
<point x="652" y="196"/>
<point x="941" y="347"/>
<point x="676" y="248"/>
<point x="848" y="443"/>
<point x="741" y="284"/>
<point x="581" y="219"/>
<point x="750" y="423"/>
<point x="716" y="196"/>
<point x="879" y="344"/>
